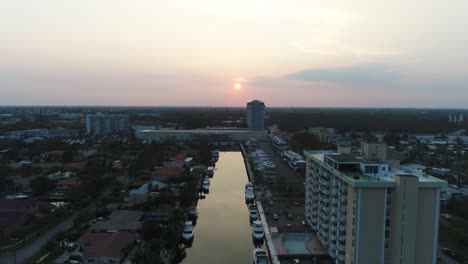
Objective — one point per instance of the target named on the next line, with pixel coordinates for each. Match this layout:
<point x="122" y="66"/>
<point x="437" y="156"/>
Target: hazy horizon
<point x="304" y="53"/>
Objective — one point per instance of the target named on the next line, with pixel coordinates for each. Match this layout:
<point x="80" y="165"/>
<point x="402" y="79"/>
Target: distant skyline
<point x="306" y="53"/>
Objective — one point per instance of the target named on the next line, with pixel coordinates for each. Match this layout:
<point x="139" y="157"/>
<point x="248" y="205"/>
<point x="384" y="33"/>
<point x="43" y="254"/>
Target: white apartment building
<point x="366" y="212"/>
<point x="101" y="124"/>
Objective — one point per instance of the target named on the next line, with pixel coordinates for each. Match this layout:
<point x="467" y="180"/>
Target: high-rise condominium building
<point x="256" y="115"/>
<point x="101" y="124"/>
<point x="366" y="212"/>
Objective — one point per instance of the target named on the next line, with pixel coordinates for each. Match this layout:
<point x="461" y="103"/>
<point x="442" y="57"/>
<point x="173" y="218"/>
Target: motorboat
<point x="205" y="187"/>
<point x="257" y="230"/>
<point x="253" y="213"/>
<point x="193" y="213"/>
<point x="188" y="231"/>
<point x="260" y="256"/>
<point x="215" y="155"/>
<point x="210" y="171"/>
<point x="206" y="181"/>
<point x="249" y="195"/>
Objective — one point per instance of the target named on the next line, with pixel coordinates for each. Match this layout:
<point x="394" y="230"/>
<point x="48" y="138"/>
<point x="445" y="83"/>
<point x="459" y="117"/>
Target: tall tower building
<point x="365" y="211"/>
<point x="256" y="115"/>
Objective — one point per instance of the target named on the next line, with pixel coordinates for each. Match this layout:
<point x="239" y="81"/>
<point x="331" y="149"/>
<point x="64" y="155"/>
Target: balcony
<point x="324" y="191"/>
<point x="342" y="228"/>
<point x="342" y="210"/>
<point x="325" y="217"/>
<point x="341" y="257"/>
<point x="343" y="199"/>
<point x="325" y="209"/>
<point x="324" y="199"/>
<point x="341" y="247"/>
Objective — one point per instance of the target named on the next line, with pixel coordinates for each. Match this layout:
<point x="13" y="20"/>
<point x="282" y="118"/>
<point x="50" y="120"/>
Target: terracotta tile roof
<point x="108" y="245"/>
<point x="45" y="165"/>
<point x="169" y="171"/>
<point x="55" y="152"/>
<point x="69" y="181"/>
<point x="75" y="165"/>
<point x="181" y="156"/>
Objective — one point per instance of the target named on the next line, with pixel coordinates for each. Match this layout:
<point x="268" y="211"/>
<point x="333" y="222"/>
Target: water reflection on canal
<point x="223" y="233"/>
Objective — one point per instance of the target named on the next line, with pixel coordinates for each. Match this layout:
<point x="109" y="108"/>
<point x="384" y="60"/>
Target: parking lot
<point x="286" y="176"/>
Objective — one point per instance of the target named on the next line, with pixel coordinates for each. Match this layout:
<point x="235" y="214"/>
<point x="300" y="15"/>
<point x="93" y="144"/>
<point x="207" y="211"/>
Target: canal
<point x="223" y="232"/>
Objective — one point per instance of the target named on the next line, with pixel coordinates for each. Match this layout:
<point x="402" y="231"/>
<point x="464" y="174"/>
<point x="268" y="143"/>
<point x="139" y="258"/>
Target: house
<point x="157" y="185"/>
<point x="75" y="166"/>
<point x="166" y="173"/>
<point x="53" y="156"/>
<point x="66" y="185"/>
<point x="120" y="220"/>
<point x="22" y="185"/>
<point x="105" y="247"/>
<point x="13" y="213"/>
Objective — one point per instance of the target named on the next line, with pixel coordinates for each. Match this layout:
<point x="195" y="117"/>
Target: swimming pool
<point x="295" y="244"/>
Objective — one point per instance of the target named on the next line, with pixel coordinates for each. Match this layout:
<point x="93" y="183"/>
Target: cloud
<point x="371" y="74"/>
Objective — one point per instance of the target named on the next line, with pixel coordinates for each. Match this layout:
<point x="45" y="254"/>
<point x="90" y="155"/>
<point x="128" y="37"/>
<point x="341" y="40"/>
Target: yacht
<point x="249" y="195"/>
<point x="260" y="256"/>
<point x="253" y="213"/>
<point x="257" y="230"/>
<point x="188" y="231"/>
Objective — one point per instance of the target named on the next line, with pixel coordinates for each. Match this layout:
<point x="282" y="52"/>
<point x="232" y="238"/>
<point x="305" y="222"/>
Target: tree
<point x="40" y="185"/>
<point x="67" y="156"/>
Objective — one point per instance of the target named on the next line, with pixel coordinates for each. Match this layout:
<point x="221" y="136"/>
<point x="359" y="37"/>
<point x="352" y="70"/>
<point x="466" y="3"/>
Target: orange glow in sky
<point x="237" y="86"/>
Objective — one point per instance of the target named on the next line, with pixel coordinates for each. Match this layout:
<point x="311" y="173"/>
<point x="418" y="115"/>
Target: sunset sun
<point x="237" y="86"/>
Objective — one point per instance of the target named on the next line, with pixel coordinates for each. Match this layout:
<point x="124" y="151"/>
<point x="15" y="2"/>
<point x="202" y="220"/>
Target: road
<point x="29" y="250"/>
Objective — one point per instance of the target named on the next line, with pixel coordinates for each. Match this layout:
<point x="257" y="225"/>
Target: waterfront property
<point x="366" y="211"/>
<point x="211" y="134"/>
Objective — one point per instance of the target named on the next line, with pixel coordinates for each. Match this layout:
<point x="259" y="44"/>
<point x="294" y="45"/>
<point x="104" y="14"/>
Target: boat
<point x="215" y="155"/>
<point x="193" y="213"/>
<point x="206" y="181"/>
<point x="210" y="171"/>
<point x="257" y="230"/>
<point x="249" y="195"/>
<point x="253" y="213"/>
<point x="188" y="231"/>
<point x="206" y="187"/>
<point x="260" y="256"/>
<point x="249" y="184"/>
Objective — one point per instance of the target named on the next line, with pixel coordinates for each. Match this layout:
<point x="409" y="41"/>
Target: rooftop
<point x="69" y="181"/>
<point x="358" y="179"/>
<point x="120" y="220"/>
<point x="107" y="244"/>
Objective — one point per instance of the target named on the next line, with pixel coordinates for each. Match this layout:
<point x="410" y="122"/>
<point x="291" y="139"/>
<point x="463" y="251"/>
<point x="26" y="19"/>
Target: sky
<point x="360" y="53"/>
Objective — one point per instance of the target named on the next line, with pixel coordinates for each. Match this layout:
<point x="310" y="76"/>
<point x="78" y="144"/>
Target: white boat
<point x="249" y="194"/>
<point x="253" y="213"/>
<point x="257" y="230"/>
<point x="260" y="256"/>
<point x="206" y="187"/>
<point x="188" y="231"/>
<point x="206" y="181"/>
